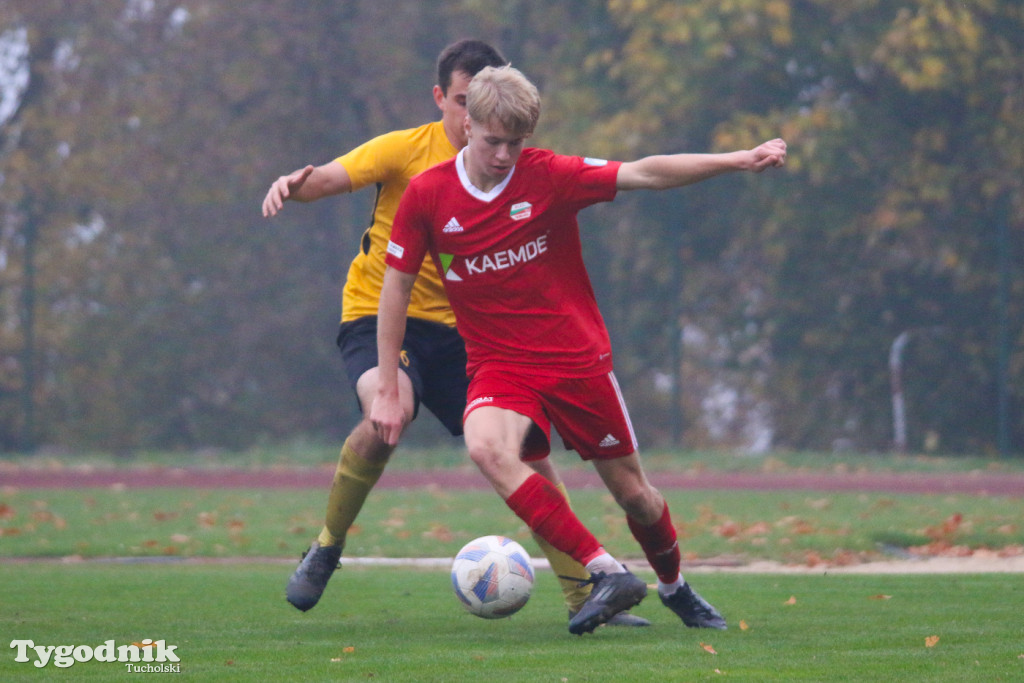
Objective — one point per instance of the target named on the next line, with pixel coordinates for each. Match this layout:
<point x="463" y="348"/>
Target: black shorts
<point x="433" y="356"/>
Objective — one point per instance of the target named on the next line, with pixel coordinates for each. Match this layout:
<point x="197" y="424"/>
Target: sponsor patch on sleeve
<point x="395" y="250"/>
<point x="591" y="161"/>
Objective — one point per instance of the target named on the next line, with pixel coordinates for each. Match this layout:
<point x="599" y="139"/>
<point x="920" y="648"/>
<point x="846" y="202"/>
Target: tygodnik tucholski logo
<point x="148" y="656"/>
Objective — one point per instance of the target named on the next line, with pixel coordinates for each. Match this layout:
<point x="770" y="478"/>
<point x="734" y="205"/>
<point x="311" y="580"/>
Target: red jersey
<point x="511" y="260"/>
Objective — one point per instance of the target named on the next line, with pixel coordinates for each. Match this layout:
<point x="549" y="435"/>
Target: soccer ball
<point x="492" y="576"/>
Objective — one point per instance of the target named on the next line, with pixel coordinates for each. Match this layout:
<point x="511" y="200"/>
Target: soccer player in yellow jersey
<point x="433" y="354"/>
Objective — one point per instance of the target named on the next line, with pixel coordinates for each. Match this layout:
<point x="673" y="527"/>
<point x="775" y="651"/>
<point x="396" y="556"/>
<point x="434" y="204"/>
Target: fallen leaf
<point x="931" y="641"/>
<point x="151" y="643"/>
<point x="349" y="650"/>
<point x="952" y="523"/>
<point x="803" y="527"/>
<point x="758" y="529"/>
<point x="439" y="532"/>
<point x="727" y="529"/>
<point x="708" y="648"/>
<point x="743" y="625"/>
<point x="791" y="601"/>
<point x="813" y="559"/>
<point x="845" y="558"/>
<point x="880" y="596"/>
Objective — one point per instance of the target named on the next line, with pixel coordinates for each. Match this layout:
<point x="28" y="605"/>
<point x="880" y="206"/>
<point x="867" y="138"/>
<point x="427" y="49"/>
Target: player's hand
<point x="769" y="154"/>
<point x="282" y="189"/>
<point x="387" y="418"/>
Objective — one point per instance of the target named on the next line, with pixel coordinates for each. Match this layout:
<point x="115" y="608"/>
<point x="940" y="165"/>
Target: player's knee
<point x="639" y="502"/>
<point x="367" y="444"/>
<point x="487" y="454"/>
<point x="631" y="501"/>
<point x="378" y="452"/>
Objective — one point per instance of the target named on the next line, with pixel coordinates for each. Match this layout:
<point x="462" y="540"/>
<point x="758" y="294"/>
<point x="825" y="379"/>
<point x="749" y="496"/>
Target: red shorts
<point x="588" y="412"/>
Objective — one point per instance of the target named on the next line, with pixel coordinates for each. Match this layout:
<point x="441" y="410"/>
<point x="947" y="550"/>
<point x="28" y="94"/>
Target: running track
<point x="974" y="483"/>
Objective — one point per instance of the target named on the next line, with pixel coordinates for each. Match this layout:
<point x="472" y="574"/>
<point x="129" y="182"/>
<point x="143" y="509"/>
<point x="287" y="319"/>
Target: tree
<point x="793" y="290"/>
<point x="147" y="304"/>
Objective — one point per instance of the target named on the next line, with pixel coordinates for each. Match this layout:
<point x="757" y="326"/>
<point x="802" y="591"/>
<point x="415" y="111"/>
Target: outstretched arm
<point x="387" y="415"/>
<point x="306" y="185"/>
<point x="675" y="170"/>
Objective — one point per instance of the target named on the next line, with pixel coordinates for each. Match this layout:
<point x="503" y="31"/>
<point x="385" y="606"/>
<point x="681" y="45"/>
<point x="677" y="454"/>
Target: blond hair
<point x="504" y="95"/>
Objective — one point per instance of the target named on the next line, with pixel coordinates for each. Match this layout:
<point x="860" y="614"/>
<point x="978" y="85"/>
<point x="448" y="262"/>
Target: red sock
<point x="538" y="503"/>
<point x="659" y="544"/>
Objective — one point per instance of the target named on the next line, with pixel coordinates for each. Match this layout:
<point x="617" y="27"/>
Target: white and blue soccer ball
<point x="492" y="577"/>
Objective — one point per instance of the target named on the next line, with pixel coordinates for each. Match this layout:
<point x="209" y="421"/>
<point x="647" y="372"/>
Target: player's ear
<point x="438" y="96"/>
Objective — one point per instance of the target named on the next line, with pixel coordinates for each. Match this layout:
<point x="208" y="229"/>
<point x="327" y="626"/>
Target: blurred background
<point x="866" y="298"/>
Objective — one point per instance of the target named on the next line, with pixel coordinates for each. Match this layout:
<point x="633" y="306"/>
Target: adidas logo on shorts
<point x="608" y="441"/>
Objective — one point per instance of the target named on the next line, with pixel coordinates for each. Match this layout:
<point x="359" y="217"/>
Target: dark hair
<point x="468" y="56"/>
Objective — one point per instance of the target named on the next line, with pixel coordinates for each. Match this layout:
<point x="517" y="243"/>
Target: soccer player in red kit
<point x="500" y="223"/>
<point x="434" y="361"/>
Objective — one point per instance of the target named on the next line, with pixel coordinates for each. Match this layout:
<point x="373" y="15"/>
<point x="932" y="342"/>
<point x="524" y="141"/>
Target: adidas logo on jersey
<point x="608" y="441"/>
<point x="452" y="226"/>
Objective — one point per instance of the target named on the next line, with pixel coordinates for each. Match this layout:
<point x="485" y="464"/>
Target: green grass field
<point x="231" y="623"/>
<point x="204" y="570"/>
<point x="793" y="527"/>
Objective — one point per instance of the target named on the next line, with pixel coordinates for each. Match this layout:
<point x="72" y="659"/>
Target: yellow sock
<point x="564" y="565"/>
<point x="353" y="480"/>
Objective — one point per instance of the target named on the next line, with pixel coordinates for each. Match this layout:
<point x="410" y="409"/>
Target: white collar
<point x="460" y="166"/>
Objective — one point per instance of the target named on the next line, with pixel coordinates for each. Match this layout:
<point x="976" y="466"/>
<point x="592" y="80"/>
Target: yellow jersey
<point x="390" y="161"/>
